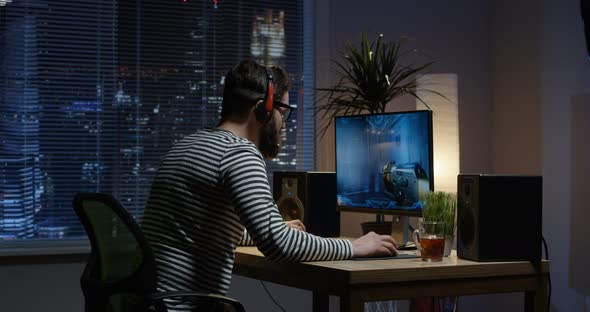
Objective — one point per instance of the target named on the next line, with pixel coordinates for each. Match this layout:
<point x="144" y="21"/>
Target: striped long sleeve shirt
<point x="209" y="188"/>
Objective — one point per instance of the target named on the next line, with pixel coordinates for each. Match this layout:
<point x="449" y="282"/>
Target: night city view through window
<point x="94" y="93"/>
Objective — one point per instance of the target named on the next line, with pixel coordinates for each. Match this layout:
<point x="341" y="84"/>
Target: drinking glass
<point x="430" y="240"/>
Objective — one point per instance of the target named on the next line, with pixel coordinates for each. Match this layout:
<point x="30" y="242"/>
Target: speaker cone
<point x="291" y="208"/>
<point x="467" y="225"/>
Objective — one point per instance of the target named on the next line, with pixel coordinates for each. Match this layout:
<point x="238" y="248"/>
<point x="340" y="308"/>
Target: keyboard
<point x="398" y="256"/>
<point x="407" y="246"/>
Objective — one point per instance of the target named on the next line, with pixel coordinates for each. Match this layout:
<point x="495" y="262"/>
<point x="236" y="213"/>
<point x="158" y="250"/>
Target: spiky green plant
<point x="369" y="77"/>
<point x="441" y="207"/>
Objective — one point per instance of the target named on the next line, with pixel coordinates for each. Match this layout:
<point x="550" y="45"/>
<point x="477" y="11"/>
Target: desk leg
<point x="352" y="303"/>
<point x="321" y="302"/>
<point x="537" y="300"/>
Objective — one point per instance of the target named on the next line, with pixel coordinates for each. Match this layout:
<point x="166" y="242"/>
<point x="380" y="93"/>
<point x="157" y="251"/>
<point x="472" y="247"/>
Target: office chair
<point x="120" y="274"/>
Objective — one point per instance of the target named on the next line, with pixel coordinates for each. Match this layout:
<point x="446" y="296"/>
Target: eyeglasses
<point x="288" y="109"/>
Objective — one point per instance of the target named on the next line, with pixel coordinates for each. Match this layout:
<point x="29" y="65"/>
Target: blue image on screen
<point x="384" y="161"/>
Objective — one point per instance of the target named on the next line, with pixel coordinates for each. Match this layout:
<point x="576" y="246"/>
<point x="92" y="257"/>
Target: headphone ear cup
<point x="262" y="114"/>
<point x="264" y="108"/>
<point x="270" y="96"/>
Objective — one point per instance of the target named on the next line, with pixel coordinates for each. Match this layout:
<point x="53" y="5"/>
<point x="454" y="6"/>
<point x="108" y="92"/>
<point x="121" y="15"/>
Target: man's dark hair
<point x="245" y="84"/>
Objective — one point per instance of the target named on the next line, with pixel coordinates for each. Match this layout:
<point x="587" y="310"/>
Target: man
<point x="212" y="186"/>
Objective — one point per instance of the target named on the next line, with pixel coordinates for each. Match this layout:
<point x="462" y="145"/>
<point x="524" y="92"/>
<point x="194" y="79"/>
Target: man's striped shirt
<point x="209" y="187"/>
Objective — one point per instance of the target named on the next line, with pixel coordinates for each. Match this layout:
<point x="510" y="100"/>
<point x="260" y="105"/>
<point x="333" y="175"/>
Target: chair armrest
<point x="158" y="297"/>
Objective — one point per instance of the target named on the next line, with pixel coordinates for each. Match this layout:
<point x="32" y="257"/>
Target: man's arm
<point x="246" y="240"/>
<point x="243" y="175"/>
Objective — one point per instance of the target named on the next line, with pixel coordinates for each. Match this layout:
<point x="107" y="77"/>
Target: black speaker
<point x="310" y="197"/>
<point x="499" y="217"/>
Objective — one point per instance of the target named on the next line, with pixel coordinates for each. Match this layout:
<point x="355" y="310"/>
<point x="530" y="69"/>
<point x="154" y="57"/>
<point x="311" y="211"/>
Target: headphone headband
<point x="264" y="109"/>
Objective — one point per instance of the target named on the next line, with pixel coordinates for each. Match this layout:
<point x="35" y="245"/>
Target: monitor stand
<point x="379" y="226"/>
<point x="401" y="229"/>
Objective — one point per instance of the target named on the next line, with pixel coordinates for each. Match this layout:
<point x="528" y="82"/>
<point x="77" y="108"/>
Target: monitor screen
<point x="384" y="162"/>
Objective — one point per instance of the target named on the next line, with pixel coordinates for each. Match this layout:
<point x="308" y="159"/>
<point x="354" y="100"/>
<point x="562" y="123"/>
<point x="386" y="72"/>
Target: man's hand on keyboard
<point x="373" y="244"/>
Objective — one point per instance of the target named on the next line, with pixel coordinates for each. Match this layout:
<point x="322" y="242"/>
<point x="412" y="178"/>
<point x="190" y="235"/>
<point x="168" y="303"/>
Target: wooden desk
<point x="356" y="282"/>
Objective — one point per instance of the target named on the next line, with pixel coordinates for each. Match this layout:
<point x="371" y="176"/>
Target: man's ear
<point x="257" y="112"/>
<point x="258" y="103"/>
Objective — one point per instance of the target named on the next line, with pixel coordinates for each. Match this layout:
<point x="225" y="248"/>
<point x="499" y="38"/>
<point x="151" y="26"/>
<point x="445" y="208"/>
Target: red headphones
<point x="264" y="109"/>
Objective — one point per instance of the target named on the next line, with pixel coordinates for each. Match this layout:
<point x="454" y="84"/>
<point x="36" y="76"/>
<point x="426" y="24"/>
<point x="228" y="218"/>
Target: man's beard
<point x="270" y="140"/>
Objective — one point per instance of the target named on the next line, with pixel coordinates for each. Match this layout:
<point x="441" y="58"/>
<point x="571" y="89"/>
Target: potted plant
<point x="369" y="77"/>
<point x="441" y="207"/>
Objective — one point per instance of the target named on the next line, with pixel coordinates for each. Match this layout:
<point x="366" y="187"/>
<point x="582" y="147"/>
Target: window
<point x="93" y="93"/>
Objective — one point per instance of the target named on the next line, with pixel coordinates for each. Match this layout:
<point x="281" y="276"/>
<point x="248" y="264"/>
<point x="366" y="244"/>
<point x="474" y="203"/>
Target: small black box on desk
<point x="499" y="217"/>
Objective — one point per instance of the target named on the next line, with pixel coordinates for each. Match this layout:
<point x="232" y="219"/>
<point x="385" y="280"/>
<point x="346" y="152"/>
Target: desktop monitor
<point x="384" y="162"/>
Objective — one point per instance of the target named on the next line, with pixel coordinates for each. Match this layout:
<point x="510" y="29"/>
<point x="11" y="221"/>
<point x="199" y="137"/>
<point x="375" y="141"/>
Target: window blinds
<point x="94" y="93"/>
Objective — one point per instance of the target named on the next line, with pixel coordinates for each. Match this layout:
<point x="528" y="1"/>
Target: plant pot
<point x="448" y="244"/>
<point x="382" y="228"/>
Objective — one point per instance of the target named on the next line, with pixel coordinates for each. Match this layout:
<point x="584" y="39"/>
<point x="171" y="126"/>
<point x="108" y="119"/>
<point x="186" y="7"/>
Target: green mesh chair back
<point x="120" y="274"/>
<point x="118" y="250"/>
<point x="120" y="269"/>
